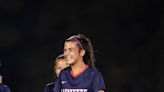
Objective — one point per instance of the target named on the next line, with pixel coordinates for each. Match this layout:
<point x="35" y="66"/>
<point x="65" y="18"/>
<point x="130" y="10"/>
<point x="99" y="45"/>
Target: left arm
<point x="99" y="85"/>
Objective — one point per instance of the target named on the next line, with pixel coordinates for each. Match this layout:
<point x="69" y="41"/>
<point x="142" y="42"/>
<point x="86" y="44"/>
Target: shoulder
<point x="50" y="84"/>
<point x="65" y="70"/>
<point x="49" y="87"/>
<point x="4" y="87"/>
<point x="94" y="71"/>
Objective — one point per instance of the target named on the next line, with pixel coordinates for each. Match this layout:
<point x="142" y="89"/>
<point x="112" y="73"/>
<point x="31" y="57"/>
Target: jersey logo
<point x="74" y="90"/>
<point x="63" y="82"/>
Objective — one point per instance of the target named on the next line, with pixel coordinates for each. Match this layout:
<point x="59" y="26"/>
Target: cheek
<point x="58" y="71"/>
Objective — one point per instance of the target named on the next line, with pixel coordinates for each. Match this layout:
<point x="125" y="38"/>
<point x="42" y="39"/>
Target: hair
<point x="61" y="56"/>
<point x="57" y="59"/>
<point x="84" y="43"/>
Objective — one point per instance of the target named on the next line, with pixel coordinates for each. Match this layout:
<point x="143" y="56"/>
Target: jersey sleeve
<point x="49" y="87"/>
<point x="57" y="87"/>
<point x="45" y="89"/>
<point x="99" y="82"/>
<point x="6" y="89"/>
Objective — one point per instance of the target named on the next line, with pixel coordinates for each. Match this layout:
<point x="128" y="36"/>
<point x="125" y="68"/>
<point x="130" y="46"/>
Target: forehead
<point x="70" y="44"/>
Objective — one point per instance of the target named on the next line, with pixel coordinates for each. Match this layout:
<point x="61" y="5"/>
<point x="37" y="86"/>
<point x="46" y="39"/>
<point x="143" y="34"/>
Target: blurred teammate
<point x="59" y="64"/>
<point x="3" y="87"/>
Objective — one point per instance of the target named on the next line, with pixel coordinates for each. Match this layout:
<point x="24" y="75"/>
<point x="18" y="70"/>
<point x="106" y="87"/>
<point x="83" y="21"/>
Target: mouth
<point x="68" y="58"/>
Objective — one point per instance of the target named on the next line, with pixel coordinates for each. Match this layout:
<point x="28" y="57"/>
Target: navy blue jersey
<point x="49" y="87"/>
<point x="4" y="88"/>
<point x="90" y="80"/>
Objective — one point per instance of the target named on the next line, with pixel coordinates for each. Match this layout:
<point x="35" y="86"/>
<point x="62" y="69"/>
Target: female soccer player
<point x="3" y="87"/>
<point x="59" y="64"/>
<point x="81" y="76"/>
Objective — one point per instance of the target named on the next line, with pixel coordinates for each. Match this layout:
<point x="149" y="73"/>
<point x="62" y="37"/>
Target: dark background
<point x="127" y="36"/>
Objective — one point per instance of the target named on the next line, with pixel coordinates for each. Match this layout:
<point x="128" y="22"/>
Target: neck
<point x="78" y="66"/>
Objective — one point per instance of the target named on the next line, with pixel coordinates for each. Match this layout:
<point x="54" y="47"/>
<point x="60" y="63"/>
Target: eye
<point x="64" y="50"/>
<point x="70" y="49"/>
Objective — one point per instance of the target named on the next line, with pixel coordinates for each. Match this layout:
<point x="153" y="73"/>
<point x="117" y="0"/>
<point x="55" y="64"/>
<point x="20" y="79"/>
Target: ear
<point x="82" y="53"/>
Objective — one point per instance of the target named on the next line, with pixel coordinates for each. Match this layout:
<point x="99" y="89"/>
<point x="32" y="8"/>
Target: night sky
<point x="127" y="36"/>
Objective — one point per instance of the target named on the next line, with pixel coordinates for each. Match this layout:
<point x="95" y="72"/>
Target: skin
<point x="74" y="56"/>
<point x="61" y="64"/>
<point x="0" y="79"/>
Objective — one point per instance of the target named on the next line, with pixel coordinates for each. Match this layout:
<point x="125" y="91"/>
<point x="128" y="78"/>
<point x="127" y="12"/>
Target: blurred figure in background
<point x="3" y="87"/>
<point x="59" y="64"/>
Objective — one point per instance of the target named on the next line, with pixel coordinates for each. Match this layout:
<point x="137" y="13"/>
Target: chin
<point x="70" y="62"/>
